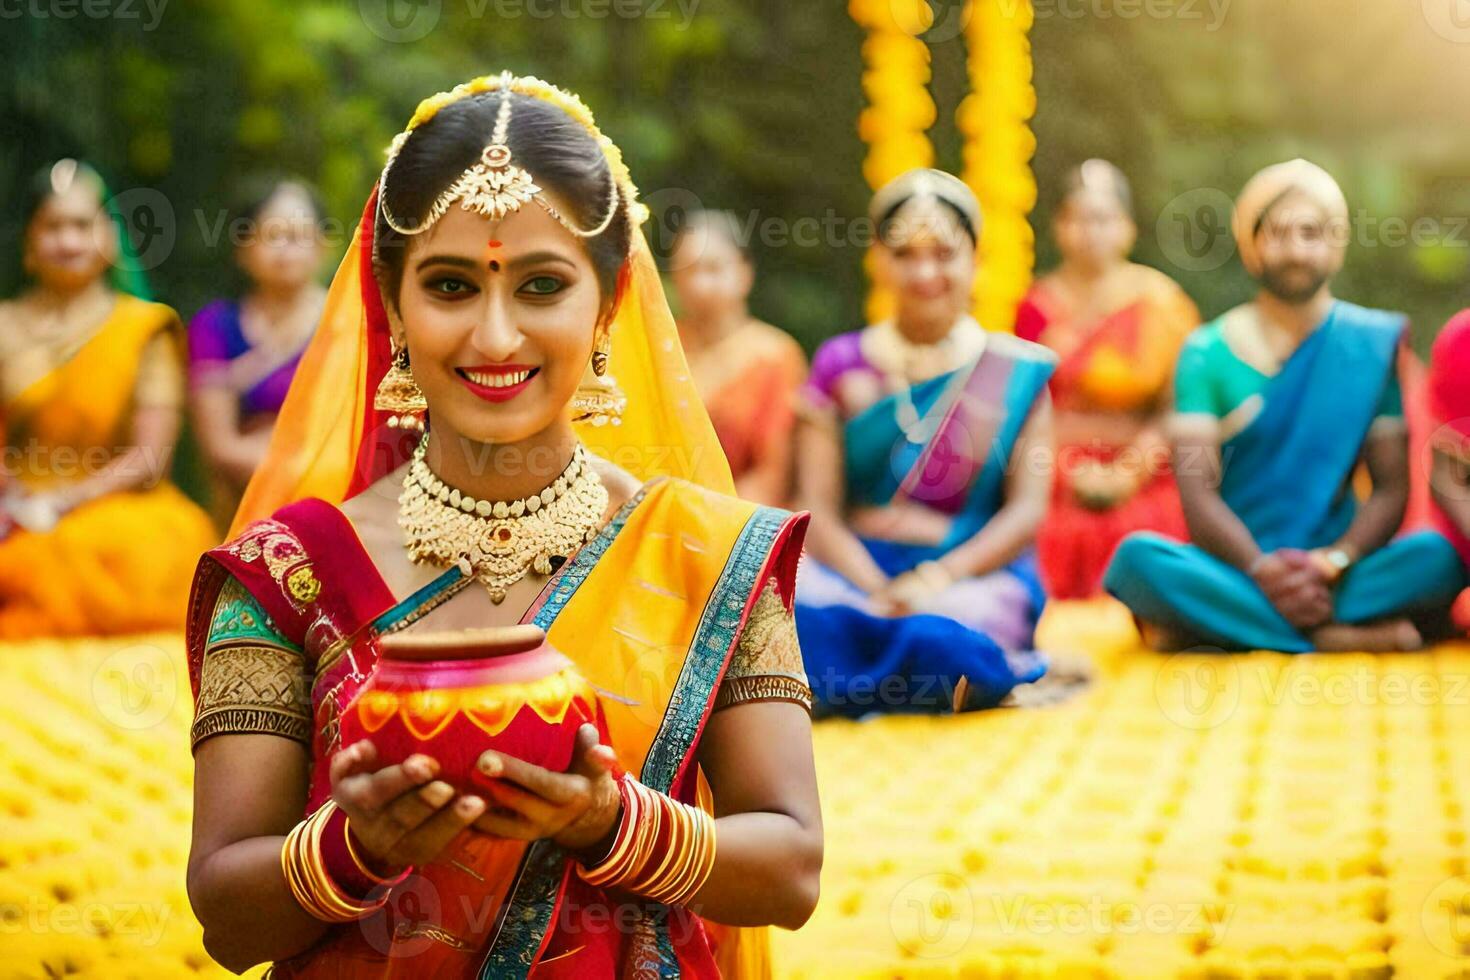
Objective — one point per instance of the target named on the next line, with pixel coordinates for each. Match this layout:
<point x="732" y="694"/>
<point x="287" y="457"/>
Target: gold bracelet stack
<point x="664" y="849"/>
<point x="316" y="885"/>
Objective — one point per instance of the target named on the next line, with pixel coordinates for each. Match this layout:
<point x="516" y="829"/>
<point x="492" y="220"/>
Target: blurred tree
<point x="751" y="105"/>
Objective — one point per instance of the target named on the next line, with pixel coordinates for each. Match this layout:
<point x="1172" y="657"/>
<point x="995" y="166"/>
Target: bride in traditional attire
<point x="439" y="465"/>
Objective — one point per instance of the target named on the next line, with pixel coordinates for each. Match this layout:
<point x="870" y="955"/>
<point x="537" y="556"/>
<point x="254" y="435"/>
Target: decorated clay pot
<point x="453" y="695"/>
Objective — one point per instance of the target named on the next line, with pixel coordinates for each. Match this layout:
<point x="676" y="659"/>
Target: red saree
<point x="650" y="611"/>
<point x="1114" y="373"/>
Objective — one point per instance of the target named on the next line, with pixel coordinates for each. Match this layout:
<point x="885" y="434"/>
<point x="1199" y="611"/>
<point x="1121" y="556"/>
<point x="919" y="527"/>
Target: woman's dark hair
<point x="41" y="186"/>
<point x="256" y="193"/>
<point x="722" y="223"/>
<point x="886" y="219"/>
<point x="126" y="274"/>
<point x="1096" y="174"/>
<point x="559" y="153"/>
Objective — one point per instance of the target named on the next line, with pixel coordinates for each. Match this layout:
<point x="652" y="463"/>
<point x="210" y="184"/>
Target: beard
<point x="1293" y="283"/>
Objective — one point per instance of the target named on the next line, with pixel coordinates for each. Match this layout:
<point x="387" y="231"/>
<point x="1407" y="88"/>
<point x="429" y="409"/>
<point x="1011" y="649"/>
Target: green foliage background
<point x="751" y="105"/>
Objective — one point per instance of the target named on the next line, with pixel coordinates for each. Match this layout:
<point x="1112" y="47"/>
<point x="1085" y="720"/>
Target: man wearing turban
<point x="1276" y="404"/>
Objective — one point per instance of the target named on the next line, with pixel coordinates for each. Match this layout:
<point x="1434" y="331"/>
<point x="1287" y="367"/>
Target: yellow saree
<point x="117" y="564"/>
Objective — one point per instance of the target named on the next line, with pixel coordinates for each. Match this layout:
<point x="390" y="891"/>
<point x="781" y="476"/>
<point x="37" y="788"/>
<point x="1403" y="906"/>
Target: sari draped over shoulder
<point x="1287" y="473"/>
<point x="120" y="563"/>
<point x="944" y="444"/>
<point x="1114" y="367"/>
<point x="220" y="353"/>
<point x="650" y="611"/>
<point x="748" y="382"/>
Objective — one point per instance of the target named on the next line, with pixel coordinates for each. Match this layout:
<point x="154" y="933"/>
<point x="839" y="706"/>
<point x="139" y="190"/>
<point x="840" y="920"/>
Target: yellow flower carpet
<point x="1191" y="816"/>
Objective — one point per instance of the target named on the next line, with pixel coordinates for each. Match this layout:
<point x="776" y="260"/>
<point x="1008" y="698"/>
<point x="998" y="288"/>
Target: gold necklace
<point x="499" y="542"/>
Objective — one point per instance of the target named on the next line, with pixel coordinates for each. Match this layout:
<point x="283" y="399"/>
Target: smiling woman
<point x="496" y="278"/>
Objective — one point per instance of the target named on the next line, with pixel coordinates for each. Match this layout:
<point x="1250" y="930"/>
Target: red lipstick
<point x="497" y="382"/>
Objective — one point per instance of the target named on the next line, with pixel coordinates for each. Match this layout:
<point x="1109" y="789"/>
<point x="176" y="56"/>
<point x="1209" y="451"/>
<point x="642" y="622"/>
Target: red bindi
<point x="494" y="244"/>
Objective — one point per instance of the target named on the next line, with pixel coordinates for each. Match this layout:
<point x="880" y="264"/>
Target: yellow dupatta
<point x="84" y="404"/>
<point x="117" y="564"/>
<point x="681" y="542"/>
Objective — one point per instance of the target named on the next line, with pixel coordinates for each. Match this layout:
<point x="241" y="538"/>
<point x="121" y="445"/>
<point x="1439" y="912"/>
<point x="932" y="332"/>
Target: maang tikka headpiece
<point x="494" y="186"/>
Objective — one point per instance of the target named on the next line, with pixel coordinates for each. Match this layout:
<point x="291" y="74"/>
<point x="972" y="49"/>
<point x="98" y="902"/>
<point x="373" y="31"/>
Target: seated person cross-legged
<point x="1277" y="404"/>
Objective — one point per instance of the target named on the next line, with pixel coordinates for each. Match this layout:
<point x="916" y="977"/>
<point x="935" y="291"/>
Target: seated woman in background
<point x="243" y="353"/>
<point x="747" y="371"/>
<point x="924" y="455"/>
<point x="1117" y="327"/>
<point x="1449" y="481"/>
<point x="93" y="539"/>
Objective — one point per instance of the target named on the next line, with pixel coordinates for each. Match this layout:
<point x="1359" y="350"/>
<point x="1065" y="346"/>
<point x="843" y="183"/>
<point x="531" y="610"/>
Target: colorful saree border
<point x="531" y="909"/>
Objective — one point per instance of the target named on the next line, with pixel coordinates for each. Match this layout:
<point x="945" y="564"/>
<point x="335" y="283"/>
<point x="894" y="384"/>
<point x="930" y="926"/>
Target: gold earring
<point x="601" y="351"/>
<point x="399" y="394"/>
<point x="599" y="400"/>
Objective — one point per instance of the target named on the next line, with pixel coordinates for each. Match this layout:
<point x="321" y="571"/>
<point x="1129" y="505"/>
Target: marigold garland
<point x="900" y="111"/>
<point x="993" y="119"/>
<point x="999" y="144"/>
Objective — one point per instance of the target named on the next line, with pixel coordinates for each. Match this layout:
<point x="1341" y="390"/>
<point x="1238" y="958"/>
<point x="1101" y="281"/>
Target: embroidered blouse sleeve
<point x="160" y="381"/>
<point x="253" y="680"/>
<point x="766" y="665"/>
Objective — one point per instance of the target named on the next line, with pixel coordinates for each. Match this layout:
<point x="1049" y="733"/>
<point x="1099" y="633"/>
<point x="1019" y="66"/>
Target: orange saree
<point x="118" y="564"/>
<point x="1111" y="382"/>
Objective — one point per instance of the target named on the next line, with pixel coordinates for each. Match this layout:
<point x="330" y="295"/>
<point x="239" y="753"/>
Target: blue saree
<point x="1288" y="477"/>
<point x="944" y="443"/>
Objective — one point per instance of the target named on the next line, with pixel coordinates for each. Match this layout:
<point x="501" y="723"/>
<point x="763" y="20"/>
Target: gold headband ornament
<point x="494" y="186"/>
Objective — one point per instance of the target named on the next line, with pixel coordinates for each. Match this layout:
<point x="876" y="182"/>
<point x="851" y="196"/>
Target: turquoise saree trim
<point x="713" y="641"/>
<point x="532" y="905"/>
<point x="532" y="902"/>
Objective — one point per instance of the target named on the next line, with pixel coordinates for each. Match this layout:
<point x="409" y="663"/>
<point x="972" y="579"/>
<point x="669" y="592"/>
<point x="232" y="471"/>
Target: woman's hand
<point x="578" y="809"/>
<point x="38" y="513"/>
<point x="399" y="814"/>
<point x="1101" y="486"/>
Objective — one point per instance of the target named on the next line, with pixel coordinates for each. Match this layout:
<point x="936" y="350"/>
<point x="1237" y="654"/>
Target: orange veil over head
<point x="330" y="443"/>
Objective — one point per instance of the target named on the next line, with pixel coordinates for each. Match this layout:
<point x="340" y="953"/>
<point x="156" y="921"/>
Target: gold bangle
<point x="308" y="879"/>
<point x="683" y="862"/>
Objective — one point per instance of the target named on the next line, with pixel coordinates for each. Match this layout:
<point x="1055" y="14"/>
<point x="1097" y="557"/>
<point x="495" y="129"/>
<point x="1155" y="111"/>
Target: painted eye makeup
<point x="449" y="287"/>
<point x="543" y="286"/>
